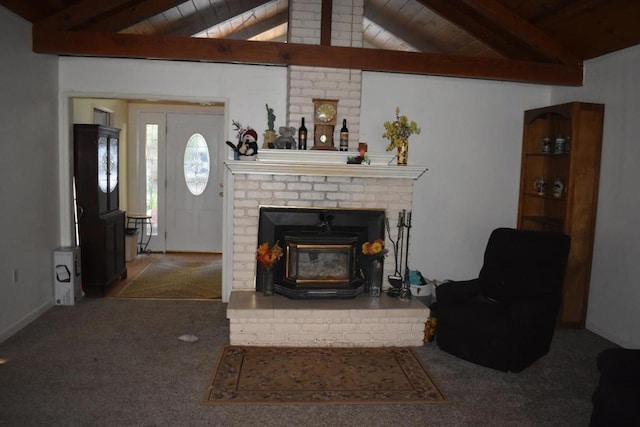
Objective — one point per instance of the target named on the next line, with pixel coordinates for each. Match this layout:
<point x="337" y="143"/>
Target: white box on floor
<point x="67" y="278"/>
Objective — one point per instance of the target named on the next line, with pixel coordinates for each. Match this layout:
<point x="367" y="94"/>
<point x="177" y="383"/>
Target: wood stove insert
<point x="322" y="248"/>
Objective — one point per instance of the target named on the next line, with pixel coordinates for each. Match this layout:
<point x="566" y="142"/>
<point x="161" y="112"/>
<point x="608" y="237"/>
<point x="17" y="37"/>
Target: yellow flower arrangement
<point x="399" y="130"/>
<point x="268" y="257"/>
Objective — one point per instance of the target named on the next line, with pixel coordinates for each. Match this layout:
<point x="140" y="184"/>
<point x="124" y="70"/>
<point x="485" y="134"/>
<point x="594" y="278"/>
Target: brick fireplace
<point x="315" y="179"/>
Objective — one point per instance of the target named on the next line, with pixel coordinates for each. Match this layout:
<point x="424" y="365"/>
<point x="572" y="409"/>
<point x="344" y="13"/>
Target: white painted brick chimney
<point x="307" y="83"/>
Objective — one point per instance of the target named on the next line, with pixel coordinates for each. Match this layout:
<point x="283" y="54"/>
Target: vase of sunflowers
<point x="398" y="132"/>
<point x="372" y="255"/>
<point x="267" y="258"/>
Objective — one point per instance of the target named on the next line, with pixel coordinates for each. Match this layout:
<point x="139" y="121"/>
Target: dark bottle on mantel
<point x="302" y="136"/>
<point x="344" y="136"/>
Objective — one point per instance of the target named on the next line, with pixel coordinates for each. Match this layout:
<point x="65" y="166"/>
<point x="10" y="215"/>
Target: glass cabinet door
<point x="113" y="174"/>
<point x="102" y="157"/>
<point x="113" y="164"/>
<point x="103" y="164"/>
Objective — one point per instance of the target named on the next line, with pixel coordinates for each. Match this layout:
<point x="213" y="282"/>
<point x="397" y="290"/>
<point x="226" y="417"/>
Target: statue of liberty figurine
<point x="271" y="118"/>
<point x="270" y="133"/>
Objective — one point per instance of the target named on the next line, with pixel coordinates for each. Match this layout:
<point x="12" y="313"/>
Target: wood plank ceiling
<point x="535" y="41"/>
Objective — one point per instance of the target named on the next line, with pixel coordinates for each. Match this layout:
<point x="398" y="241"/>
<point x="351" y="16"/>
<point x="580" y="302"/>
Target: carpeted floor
<point x="121" y="362"/>
<point x="176" y="279"/>
<point x="271" y="375"/>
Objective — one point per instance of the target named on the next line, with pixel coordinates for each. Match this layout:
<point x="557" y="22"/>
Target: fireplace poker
<point x="396" y="279"/>
<point x="394" y="244"/>
<point x="405" y="292"/>
<point x="401" y="216"/>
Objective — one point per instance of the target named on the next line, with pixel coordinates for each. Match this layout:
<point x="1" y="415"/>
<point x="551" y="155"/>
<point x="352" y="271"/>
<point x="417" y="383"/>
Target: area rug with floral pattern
<point x="310" y="375"/>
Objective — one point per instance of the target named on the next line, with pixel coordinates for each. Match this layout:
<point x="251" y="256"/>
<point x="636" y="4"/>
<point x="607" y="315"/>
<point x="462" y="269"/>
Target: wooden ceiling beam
<point x="618" y="19"/>
<point x="78" y="14"/>
<point x="325" y="22"/>
<point x="132" y="14"/>
<point x="522" y="30"/>
<point x="81" y="43"/>
<point x="470" y="21"/>
<point x="27" y="9"/>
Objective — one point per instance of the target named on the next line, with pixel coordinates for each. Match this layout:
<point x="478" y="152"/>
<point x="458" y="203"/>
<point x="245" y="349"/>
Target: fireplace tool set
<point x="400" y="279"/>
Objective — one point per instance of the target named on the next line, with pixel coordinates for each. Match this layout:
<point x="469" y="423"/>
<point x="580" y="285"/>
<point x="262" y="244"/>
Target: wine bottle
<point x="344" y="136"/>
<point x="302" y="136"/>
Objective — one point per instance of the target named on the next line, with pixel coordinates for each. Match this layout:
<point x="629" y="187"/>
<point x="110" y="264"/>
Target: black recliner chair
<point x="505" y="318"/>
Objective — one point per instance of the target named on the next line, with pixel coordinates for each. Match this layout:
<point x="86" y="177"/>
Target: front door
<point x="194" y="177"/>
<point x="183" y="182"/>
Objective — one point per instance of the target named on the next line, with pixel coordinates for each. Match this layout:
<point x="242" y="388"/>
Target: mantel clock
<point x="325" y="113"/>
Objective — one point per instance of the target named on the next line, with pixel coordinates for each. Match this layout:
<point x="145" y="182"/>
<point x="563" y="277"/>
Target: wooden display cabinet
<point x="573" y="210"/>
<point x="100" y="222"/>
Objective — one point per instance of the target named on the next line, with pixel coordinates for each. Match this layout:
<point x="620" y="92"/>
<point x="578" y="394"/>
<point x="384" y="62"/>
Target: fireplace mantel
<point x="322" y="163"/>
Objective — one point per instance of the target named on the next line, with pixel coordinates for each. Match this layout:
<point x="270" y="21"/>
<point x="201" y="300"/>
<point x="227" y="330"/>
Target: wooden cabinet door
<point x="96" y="169"/>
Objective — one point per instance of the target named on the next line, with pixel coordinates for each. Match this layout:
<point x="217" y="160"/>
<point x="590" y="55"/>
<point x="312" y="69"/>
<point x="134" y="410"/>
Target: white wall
<point x="245" y="88"/>
<point x="471" y="141"/>
<point x="28" y="173"/>
<point x="614" y="298"/>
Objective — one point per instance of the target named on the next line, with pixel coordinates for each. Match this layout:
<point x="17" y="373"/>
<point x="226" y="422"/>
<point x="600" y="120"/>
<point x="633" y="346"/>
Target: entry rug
<point x="292" y="375"/>
<point x="177" y="280"/>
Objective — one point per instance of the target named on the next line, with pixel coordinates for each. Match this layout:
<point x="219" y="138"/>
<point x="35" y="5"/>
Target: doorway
<point x="180" y="171"/>
<point x="125" y="116"/>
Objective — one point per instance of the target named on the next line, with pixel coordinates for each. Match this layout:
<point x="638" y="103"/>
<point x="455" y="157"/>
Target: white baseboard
<point x="30" y="317"/>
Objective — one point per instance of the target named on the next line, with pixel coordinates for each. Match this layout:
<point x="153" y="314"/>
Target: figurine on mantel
<point x="270" y="133"/>
<point x="285" y="139"/>
<point x="271" y="118"/>
<point x="247" y="148"/>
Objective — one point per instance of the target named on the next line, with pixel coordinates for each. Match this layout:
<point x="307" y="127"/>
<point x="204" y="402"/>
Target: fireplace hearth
<point x="322" y="248"/>
<point x="319" y="181"/>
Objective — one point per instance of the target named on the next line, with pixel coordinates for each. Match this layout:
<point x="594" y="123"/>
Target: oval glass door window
<point x="196" y="164"/>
